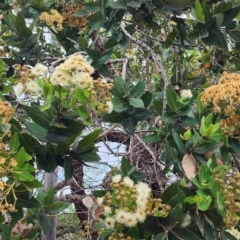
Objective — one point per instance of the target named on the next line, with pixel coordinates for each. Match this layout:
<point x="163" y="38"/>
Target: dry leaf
<point x="99" y="211"/>
<point x="218" y="160"/>
<point x="87" y="201"/>
<point x="189" y="166"/>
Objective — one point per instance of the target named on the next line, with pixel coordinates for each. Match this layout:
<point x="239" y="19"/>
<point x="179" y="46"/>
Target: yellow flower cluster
<point x="231" y="188"/>
<point x="224" y="98"/>
<point x="52" y="19"/>
<point x="6" y="112"/>
<point x="128" y="204"/>
<point x="79" y="22"/>
<point x="74" y="71"/>
<point x="101" y="96"/>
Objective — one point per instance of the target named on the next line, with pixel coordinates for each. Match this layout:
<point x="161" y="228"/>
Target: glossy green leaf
<point x="115" y="117"/>
<point x="178" y="142"/>
<point x="136" y="102"/>
<point x="120" y="104"/>
<point x="27" y="201"/>
<point x="133" y="232"/>
<point x="143" y="115"/>
<point x="68" y="168"/>
<point x="22" y="157"/>
<point x="138" y="90"/>
<point x="44" y="222"/>
<point x="56" y="207"/>
<point x="121" y="86"/>
<point x="129" y="124"/>
<point x="172" y="100"/>
<point x="175" y="217"/>
<point x="208" y="146"/>
<point x="83" y="44"/>
<point x="235" y="145"/>
<point x="160" y="236"/>
<point x="186" y="234"/>
<point x="40" y="118"/>
<point x="147" y="98"/>
<point x="22" y="175"/>
<point x="125" y="166"/>
<point x="49" y="196"/>
<point x="117" y="5"/>
<point x="137" y="176"/>
<point x="14" y="143"/>
<point x="89" y="139"/>
<point x="170" y="38"/>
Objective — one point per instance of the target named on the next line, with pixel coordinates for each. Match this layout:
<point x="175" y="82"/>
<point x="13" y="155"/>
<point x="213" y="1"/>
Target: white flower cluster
<point x="129" y="219"/>
<point x="74" y="71"/>
<point x="31" y="85"/>
<point x="186" y="94"/>
<point x="234" y="232"/>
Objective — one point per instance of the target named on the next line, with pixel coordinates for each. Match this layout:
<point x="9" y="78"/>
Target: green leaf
<point x="199" y="11"/>
<point x="26" y="201"/>
<point x="40" y="118"/>
<point x="121" y="86"/>
<point x="83" y="44"/>
<point x="114" y="117"/>
<point x="169" y="193"/>
<point x="178" y="142"/>
<point x="175" y="217"/>
<point x="138" y="90"/>
<point x="170" y="38"/>
<point x="22" y="157"/>
<point x="204" y="202"/>
<point x="147" y="98"/>
<point x="235" y="145"/>
<point x="5" y="232"/>
<point x="44" y="222"/>
<point x="89" y="139"/>
<point x="90" y="157"/>
<point x="136" y="102"/>
<point x="229" y="15"/>
<point x="117" y="5"/>
<point x="49" y="196"/>
<point x="99" y="193"/>
<point x="169" y="117"/>
<point x="68" y="168"/>
<point x="172" y="100"/>
<point x="133" y="232"/>
<point x="208" y="146"/>
<point x="186" y="234"/>
<point x="56" y="207"/>
<point x="134" y="4"/>
<point x="143" y="115"/>
<point x="158" y="106"/>
<point x="129" y="124"/>
<point x="81" y="96"/>
<point x="137" y="176"/>
<point x="160" y="236"/>
<point x="125" y="166"/>
<point x="33" y="184"/>
<point x="187" y="121"/>
<point x="14" y="143"/>
<point x="222" y="7"/>
<point x="235" y="35"/>
<point x="120" y="104"/>
<point x="81" y="13"/>
<point x="22" y="175"/>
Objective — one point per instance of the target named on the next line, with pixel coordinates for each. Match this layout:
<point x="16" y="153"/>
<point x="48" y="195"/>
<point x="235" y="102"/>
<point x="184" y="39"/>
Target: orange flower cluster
<point x="224" y="98"/>
<point x="6" y="112"/>
<point x="80" y="22"/>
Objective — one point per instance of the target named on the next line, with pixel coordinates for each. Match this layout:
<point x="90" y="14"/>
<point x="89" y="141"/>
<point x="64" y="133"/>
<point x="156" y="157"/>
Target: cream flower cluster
<point x="234" y="232"/>
<point x="128" y="204"/>
<point x="27" y="78"/>
<point x="74" y="71"/>
<point x="186" y="94"/>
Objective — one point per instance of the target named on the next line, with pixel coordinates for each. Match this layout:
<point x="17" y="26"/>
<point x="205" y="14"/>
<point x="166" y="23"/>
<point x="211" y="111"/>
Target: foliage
<point x="177" y="89"/>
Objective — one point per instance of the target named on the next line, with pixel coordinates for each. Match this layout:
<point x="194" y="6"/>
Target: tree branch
<point x="158" y="62"/>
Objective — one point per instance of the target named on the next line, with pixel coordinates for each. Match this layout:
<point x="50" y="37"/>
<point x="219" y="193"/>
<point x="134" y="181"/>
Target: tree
<point x="158" y="76"/>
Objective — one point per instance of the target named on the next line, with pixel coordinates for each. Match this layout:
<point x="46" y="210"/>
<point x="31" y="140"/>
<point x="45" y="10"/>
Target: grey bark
<point x="50" y="179"/>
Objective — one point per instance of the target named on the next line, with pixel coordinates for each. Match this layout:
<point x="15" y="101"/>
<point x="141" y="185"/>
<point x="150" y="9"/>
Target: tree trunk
<point x="50" y="179"/>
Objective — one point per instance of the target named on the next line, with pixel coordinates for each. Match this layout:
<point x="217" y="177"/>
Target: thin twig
<point x="158" y="62"/>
